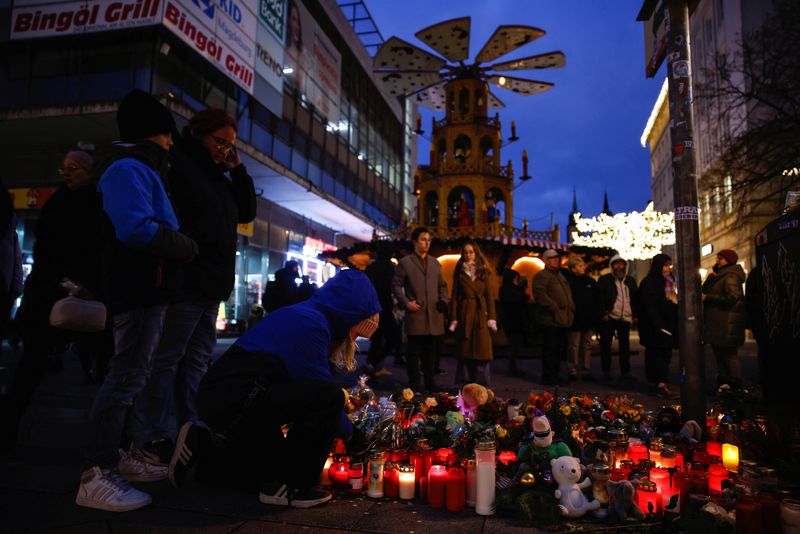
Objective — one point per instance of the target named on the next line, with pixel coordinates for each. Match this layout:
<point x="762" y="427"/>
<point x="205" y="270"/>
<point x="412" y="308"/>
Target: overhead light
<point x="502" y="80"/>
<point x="288" y="70"/>
<point x="361" y="157"/>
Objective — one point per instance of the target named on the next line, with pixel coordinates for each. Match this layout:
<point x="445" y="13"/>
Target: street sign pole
<point x="687" y="230"/>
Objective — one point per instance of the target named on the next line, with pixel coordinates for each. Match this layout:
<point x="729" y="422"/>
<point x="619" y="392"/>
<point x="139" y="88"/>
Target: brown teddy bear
<point x="473" y="396"/>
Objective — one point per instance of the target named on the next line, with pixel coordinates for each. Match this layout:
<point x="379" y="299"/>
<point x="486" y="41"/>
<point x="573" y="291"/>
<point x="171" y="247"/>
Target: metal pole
<point x="687" y="231"/>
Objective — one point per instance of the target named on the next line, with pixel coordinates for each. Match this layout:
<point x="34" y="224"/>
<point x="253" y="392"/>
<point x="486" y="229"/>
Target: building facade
<point x="331" y="153"/>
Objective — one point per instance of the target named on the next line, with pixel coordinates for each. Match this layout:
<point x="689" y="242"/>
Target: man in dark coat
<point x="419" y="287"/>
<point x="724" y="316"/>
<point x="387" y="337"/>
<point x="658" y="322"/>
<point x="579" y="341"/>
<point x="513" y="303"/>
<point x="619" y="310"/>
<point x="213" y="194"/>
<point x="283" y="290"/>
<point x="555" y="311"/>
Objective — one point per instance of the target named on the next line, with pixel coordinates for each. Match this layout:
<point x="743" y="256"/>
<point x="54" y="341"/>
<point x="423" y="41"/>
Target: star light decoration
<point x="635" y="235"/>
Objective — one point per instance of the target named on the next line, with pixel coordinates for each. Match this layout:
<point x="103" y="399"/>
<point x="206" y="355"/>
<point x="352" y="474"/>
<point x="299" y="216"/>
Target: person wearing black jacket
<point x="212" y="194"/>
<point x="513" y="302"/>
<point x="658" y="321"/>
<point x="387" y="337"/>
<point x="579" y="340"/>
<point x="619" y="310"/>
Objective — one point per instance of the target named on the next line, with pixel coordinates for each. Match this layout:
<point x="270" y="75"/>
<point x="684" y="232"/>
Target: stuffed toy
<point x="596" y="452"/>
<point x="572" y="502"/>
<point x="621" y="502"/>
<point x="473" y="396"/>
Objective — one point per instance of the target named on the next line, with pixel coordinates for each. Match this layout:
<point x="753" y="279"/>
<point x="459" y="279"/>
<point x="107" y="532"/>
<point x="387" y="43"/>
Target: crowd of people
<point x="147" y="227"/>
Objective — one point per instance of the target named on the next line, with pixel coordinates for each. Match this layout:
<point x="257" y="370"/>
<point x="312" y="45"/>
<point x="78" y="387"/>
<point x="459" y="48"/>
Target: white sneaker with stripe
<point x="105" y="489"/>
<point x="133" y="467"/>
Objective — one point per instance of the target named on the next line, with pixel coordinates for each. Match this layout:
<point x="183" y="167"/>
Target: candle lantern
<point x="400" y="456"/>
<point x="649" y="498"/>
<point x="324" y="477"/>
<point x="699" y="482"/>
<point x="472" y="483"/>
<point x="619" y="473"/>
<point x="338" y="470"/>
<point x="443" y="455"/>
<point x="405" y="479"/>
<point x="422" y="482"/>
<point x="513" y="406"/>
<point x="716" y="474"/>
<point x="636" y="452"/>
<point x="355" y="476"/>
<point x="391" y="483"/>
<point x="669" y="457"/>
<point x="375" y="482"/>
<point x="437" y="485"/>
<point x="660" y="477"/>
<point x="730" y="456"/>
<point x="714" y="448"/>
<point x="456" y="489"/>
<point x="485" y="474"/>
<point x="627" y="465"/>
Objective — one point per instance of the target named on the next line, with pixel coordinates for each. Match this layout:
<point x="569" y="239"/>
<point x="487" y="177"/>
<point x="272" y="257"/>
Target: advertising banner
<point x="269" y="58"/>
<point x="212" y="33"/>
<point x="315" y="62"/>
<point x="655" y="38"/>
<point x="79" y="17"/>
<point x="273" y="14"/>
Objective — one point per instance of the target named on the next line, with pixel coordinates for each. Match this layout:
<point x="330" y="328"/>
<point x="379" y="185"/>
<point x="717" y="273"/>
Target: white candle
<point x="484" y="454"/>
<point x="406" y="481"/>
<point x="730" y="456"/>
<point x="472" y="485"/>
<point x="375" y="484"/>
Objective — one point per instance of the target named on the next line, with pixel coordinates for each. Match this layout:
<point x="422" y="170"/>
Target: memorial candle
<point x="714" y="448"/>
<point x="716" y="474"/>
<point x="324" y="477"/>
<point x="375" y="481"/>
<point x="338" y="471"/>
<point x="748" y="517"/>
<point x="660" y="477"/>
<point x="472" y="485"/>
<point x="636" y="452"/>
<point x="405" y="478"/>
<point x="423" y="489"/>
<point x="443" y="454"/>
<point x="391" y="483"/>
<point x="400" y="456"/>
<point x="649" y="499"/>
<point x="730" y="456"/>
<point x="485" y="471"/>
<point x="456" y="489"/>
<point x="437" y="485"/>
<point x="356" y="477"/>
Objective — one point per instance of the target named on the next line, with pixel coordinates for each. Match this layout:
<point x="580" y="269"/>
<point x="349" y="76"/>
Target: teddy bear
<point x="473" y="396"/>
<point x="572" y="502"/>
<point x="621" y="502"/>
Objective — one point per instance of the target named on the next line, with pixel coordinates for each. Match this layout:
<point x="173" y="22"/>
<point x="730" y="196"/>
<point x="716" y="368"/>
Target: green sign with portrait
<point x="273" y="14"/>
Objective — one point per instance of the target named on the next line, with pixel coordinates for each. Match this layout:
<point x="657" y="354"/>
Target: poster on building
<point x="315" y="62"/>
<point x="67" y="18"/>
<point x="216" y="31"/>
<point x="269" y="58"/>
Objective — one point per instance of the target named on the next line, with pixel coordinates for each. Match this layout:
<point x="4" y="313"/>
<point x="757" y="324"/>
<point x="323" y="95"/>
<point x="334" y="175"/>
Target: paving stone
<point x="152" y="520"/>
<point x="258" y="527"/>
<point x="343" y="511"/>
<point x="404" y="517"/>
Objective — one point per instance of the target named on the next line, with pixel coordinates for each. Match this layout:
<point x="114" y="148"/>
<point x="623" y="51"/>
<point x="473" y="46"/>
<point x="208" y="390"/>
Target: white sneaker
<point x="105" y="489"/>
<point x="133" y="467"/>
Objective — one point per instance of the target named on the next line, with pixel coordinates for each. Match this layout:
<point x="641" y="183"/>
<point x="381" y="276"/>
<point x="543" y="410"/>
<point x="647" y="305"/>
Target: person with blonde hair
<point x="472" y="313"/>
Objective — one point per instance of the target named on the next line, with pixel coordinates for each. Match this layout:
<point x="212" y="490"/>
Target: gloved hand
<point x="441" y="306"/>
<point x="492" y="325"/>
<point x="453" y="326"/>
<point x="356" y="442"/>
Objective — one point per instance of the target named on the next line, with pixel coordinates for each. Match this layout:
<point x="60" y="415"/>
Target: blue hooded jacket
<point x="301" y="335"/>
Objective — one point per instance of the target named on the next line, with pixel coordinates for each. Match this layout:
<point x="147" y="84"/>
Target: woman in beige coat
<point x="472" y="312"/>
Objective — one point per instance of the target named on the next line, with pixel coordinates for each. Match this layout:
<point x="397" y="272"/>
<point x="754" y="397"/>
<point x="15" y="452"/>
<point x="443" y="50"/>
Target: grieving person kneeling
<point x="270" y="403"/>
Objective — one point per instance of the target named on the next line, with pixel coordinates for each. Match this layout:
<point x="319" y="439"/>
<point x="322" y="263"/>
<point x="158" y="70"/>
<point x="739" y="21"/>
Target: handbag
<point x="78" y="315"/>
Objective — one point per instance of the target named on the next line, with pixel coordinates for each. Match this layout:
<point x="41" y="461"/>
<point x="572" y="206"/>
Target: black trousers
<point x="385" y="339"/>
<point x="656" y="364"/>
<point x="424" y="351"/>
<point x="256" y="449"/>
<point x="554" y="349"/>
<point x="623" y="331"/>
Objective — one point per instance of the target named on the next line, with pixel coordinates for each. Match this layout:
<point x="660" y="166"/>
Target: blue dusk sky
<point x="583" y="133"/>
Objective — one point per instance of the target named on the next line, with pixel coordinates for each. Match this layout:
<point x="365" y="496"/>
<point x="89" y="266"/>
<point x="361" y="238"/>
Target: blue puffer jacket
<point x="301" y="335"/>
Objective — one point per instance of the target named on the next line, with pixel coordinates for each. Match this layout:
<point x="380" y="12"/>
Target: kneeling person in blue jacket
<point x="271" y="402"/>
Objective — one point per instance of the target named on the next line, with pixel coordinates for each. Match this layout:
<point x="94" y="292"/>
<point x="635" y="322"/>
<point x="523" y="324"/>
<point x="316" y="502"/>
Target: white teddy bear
<point x="572" y="502"/>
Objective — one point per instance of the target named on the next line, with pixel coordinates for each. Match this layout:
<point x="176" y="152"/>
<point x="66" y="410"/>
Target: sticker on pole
<point x="686" y="213"/>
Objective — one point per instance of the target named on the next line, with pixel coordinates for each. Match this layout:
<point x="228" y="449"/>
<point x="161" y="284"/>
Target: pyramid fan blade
<point x="432" y="97"/>
<point x="399" y="82"/>
<point x="520" y="85"/>
<point x="549" y="60"/>
<point x="494" y="102"/>
<point x="506" y="39"/>
<point x="450" y="38"/>
<point x="398" y="54"/>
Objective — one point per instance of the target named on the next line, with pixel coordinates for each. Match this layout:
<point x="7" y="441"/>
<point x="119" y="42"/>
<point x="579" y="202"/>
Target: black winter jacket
<point x="657" y="312"/>
<point x="587" y="301"/>
<point x="209" y="206"/>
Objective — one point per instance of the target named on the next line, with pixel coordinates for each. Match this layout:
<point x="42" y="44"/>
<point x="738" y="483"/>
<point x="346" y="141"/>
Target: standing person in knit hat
<point x="68" y="246"/>
<point x="212" y="194"/>
<point x="618" y="312"/>
<point x="271" y="401"/>
<point x="724" y="316"/>
<point x="658" y="322"/>
<point x="143" y="251"/>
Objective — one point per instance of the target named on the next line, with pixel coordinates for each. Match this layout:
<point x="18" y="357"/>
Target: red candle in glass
<point x="442" y="454"/>
<point x="716" y="474"/>
<point x="391" y="480"/>
<point x="660" y="476"/>
<point x="423" y="489"/>
<point x="400" y="456"/>
<point x="619" y="473"/>
<point x="429" y="455"/>
<point x="770" y="512"/>
<point x="682" y="480"/>
<point x="437" y="485"/>
<point x="714" y="448"/>
<point x="637" y="452"/>
<point x="700" y="483"/>
<point x="416" y="459"/>
<point x="748" y="517"/>
<point x="702" y="457"/>
<point x="456" y="489"/>
<point x="649" y="498"/>
<point x="507" y="456"/>
<point x="666" y="494"/>
<point x="356" y="478"/>
<point x="338" y="473"/>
